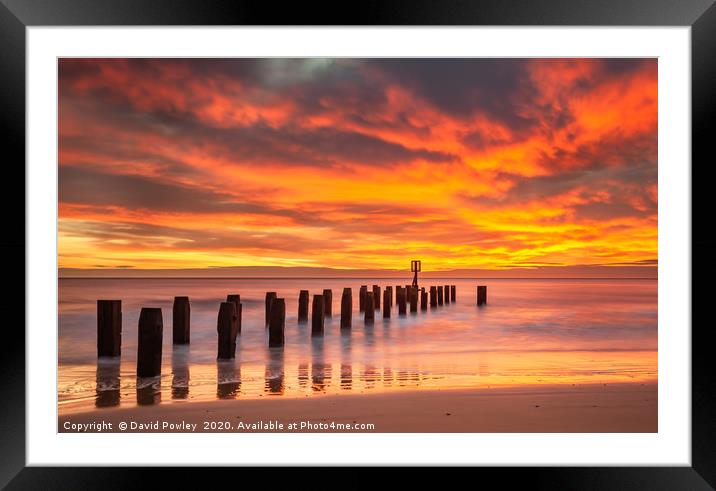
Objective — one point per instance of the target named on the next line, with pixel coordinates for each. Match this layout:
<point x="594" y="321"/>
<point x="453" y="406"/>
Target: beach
<point x="540" y="356"/>
<point x="589" y="408"/>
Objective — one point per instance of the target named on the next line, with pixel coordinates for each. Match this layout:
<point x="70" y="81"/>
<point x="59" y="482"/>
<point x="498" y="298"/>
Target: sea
<point x="530" y="332"/>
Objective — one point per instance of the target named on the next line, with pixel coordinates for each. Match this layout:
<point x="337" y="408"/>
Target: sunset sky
<point x="357" y="163"/>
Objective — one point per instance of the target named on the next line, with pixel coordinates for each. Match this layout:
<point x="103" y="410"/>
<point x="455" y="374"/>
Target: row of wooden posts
<point x="149" y="348"/>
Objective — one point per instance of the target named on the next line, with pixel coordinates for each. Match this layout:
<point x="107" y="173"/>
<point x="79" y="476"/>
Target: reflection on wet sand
<point x="369" y="376"/>
<point x="107" y="382"/>
<point x="228" y="379"/>
<point x="316" y="375"/>
<point x="387" y="377"/>
<point x="346" y="376"/>
<point x="318" y="366"/>
<point x="180" y="371"/>
<point x="275" y="372"/>
<point x="303" y="375"/>
<point x="149" y="390"/>
<point x="346" y="364"/>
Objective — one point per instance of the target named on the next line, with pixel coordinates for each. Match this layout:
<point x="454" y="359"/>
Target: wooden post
<point x="227" y="328"/>
<point x="277" y="323"/>
<point x="237" y="302"/>
<point x="453" y="298"/>
<point x="386" y="303"/>
<point x="376" y="297"/>
<point x="347" y="308"/>
<point x="433" y="297"/>
<point x="423" y="299"/>
<point x="269" y="298"/>
<point x="413" y="299"/>
<point x="328" y="302"/>
<point x="361" y="297"/>
<point x="109" y="327"/>
<point x="389" y="289"/>
<point x="317" y="315"/>
<point x="401" y="301"/>
<point x="303" y="306"/>
<point x="369" y="308"/>
<point x="181" y="312"/>
<point x="481" y="295"/>
<point x="149" y="345"/>
<point x="447" y="294"/>
<point x="440" y="295"/>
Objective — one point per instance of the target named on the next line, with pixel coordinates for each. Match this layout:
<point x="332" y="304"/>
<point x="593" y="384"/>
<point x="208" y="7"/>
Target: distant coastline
<point x="602" y="271"/>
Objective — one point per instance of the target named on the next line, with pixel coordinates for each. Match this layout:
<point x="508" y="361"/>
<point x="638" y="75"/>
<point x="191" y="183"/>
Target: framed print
<point x="421" y="236"/>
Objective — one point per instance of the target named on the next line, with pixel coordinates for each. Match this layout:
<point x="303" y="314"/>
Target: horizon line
<point x="351" y="277"/>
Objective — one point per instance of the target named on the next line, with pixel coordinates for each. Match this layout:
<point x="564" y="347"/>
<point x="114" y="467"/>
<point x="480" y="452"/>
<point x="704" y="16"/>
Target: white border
<point x="670" y="446"/>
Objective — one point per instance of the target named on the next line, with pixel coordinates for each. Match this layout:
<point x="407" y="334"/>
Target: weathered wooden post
<point x="303" y="306"/>
<point x="440" y="295"/>
<point x="376" y="297"/>
<point x="433" y="297"/>
<point x="413" y="299"/>
<point x="237" y="302"/>
<point x="109" y="327"/>
<point x="453" y="298"/>
<point x="389" y="289"/>
<point x="328" y="302"/>
<point x="423" y="299"/>
<point x="481" y="295"/>
<point x="369" y="308"/>
<point x="277" y="323"/>
<point x="447" y="294"/>
<point x="401" y="301"/>
<point x="181" y="312"/>
<point x="149" y="345"/>
<point x="227" y="328"/>
<point x="347" y="308"/>
<point x="386" y="303"/>
<point x="269" y="298"/>
<point x="361" y="297"/>
<point x="317" y="315"/>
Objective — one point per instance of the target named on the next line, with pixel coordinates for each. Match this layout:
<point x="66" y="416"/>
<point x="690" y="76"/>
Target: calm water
<point x="530" y="332"/>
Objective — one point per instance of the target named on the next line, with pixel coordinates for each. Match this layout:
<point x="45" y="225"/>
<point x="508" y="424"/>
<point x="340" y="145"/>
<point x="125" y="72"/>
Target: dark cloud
<point x="607" y="192"/>
<point x="115" y="151"/>
<point x="89" y="187"/>
<point x="142" y="235"/>
<point x="322" y="147"/>
<point x="609" y="151"/>
<point x="606" y="211"/>
<point x="627" y="66"/>
<point x="465" y="86"/>
<point x="259" y="143"/>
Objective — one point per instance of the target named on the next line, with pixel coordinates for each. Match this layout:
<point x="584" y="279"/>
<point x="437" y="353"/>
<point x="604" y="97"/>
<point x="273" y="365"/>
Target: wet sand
<point x="630" y="408"/>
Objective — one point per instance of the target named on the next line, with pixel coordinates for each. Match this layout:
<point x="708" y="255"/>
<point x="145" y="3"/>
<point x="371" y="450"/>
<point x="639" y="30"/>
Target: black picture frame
<point x="17" y="15"/>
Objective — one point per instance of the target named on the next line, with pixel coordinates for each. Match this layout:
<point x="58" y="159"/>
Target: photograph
<point x="357" y="245"/>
